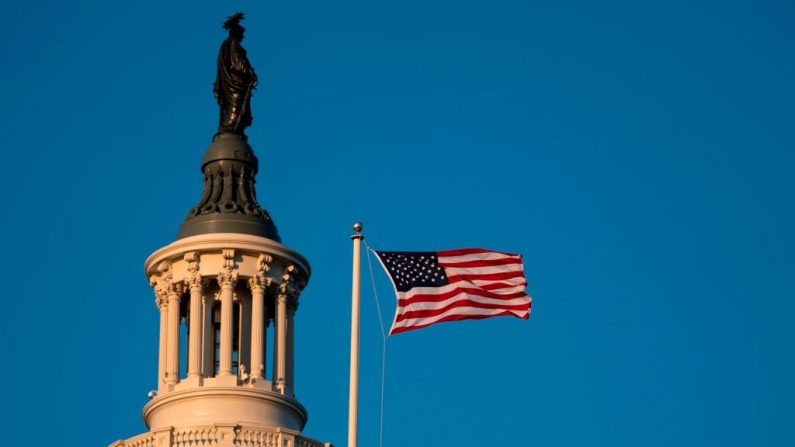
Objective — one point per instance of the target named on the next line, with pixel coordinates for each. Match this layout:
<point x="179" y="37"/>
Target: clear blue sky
<point x="640" y="155"/>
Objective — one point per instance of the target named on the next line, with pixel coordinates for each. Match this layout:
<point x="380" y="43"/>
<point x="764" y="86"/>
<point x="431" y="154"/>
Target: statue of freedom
<point x="235" y="80"/>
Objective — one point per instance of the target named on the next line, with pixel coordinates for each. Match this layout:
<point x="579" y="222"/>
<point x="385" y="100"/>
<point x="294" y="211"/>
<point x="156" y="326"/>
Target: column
<point x="266" y="323"/>
<point x="292" y="305"/>
<point x="258" y="325"/>
<point x="244" y="337"/>
<point x="162" y="304"/>
<point x="208" y="337"/>
<point x="281" y="340"/>
<point x="172" y="356"/>
<point x="227" y="283"/>
<point x="195" y="285"/>
<point x="270" y="314"/>
<point x="195" y="336"/>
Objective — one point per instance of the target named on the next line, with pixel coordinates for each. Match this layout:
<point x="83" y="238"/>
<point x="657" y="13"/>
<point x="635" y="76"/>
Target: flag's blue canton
<point x="413" y="269"/>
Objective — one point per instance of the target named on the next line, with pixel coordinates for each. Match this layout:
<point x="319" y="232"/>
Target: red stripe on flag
<point x="426" y="313"/>
<point x="455" y="318"/>
<point x="485" y="277"/>
<point x="502" y="285"/>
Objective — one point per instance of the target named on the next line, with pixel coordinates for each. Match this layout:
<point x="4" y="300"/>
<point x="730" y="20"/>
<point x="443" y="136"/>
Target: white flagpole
<point x="353" y="396"/>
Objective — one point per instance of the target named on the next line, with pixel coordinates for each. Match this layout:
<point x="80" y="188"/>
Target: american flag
<point x="464" y="284"/>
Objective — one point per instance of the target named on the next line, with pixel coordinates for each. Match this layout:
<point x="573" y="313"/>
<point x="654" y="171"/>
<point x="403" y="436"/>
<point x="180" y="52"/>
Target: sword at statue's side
<point x="353" y="396"/>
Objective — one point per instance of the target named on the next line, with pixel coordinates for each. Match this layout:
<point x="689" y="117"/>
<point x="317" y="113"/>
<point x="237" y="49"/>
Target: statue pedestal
<point x="229" y="202"/>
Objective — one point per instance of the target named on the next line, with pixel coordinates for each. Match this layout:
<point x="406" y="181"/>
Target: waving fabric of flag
<point x="464" y="284"/>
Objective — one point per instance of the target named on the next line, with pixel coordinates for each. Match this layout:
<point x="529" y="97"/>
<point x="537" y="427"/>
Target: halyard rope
<point x="383" y="345"/>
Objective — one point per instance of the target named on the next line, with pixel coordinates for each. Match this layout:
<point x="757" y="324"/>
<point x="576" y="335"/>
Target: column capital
<point x="160" y="287"/>
<point x="227" y="280"/>
<point x="164" y="285"/>
<point x="292" y="305"/>
<point x="293" y="281"/>
<point x="161" y="283"/>
<point x="175" y="290"/>
<point x="161" y="302"/>
<point x="196" y="282"/>
<point x="258" y="283"/>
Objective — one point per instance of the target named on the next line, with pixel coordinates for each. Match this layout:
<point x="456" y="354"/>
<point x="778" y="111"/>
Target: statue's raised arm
<point x="235" y="80"/>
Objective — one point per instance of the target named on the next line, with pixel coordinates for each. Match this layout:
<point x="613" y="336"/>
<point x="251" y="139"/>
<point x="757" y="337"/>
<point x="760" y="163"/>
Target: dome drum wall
<point x="209" y="405"/>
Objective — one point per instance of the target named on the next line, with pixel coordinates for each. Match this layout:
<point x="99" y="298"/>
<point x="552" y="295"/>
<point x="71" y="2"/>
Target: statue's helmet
<point x="232" y="24"/>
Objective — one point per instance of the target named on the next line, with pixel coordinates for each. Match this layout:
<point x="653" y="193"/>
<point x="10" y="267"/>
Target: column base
<point x="191" y="381"/>
<point x="226" y="380"/>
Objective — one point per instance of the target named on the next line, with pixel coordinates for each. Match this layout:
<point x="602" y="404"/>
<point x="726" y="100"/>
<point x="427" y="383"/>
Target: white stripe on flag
<point x="477" y="257"/>
<point x="431" y="305"/>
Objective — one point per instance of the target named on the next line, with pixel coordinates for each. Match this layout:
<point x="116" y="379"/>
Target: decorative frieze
<point x="194" y="279"/>
<point x="192" y="258"/>
<point x="263" y="263"/>
<point x="228" y="277"/>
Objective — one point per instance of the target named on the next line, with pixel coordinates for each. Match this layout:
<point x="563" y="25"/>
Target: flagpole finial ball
<point x="357" y="227"/>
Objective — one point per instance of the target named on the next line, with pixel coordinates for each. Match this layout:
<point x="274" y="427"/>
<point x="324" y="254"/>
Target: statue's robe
<point x="233" y="85"/>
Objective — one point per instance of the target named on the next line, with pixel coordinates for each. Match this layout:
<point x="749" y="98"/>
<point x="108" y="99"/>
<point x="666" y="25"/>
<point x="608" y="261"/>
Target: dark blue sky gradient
<point x="640" y="155"/>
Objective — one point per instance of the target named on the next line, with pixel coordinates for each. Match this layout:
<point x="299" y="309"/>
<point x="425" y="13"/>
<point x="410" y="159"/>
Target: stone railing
<point x="189" y="437"/>
<point x="220" y="436"/>
<point x="256" y="437"/>
<point x="143" y="440"/>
